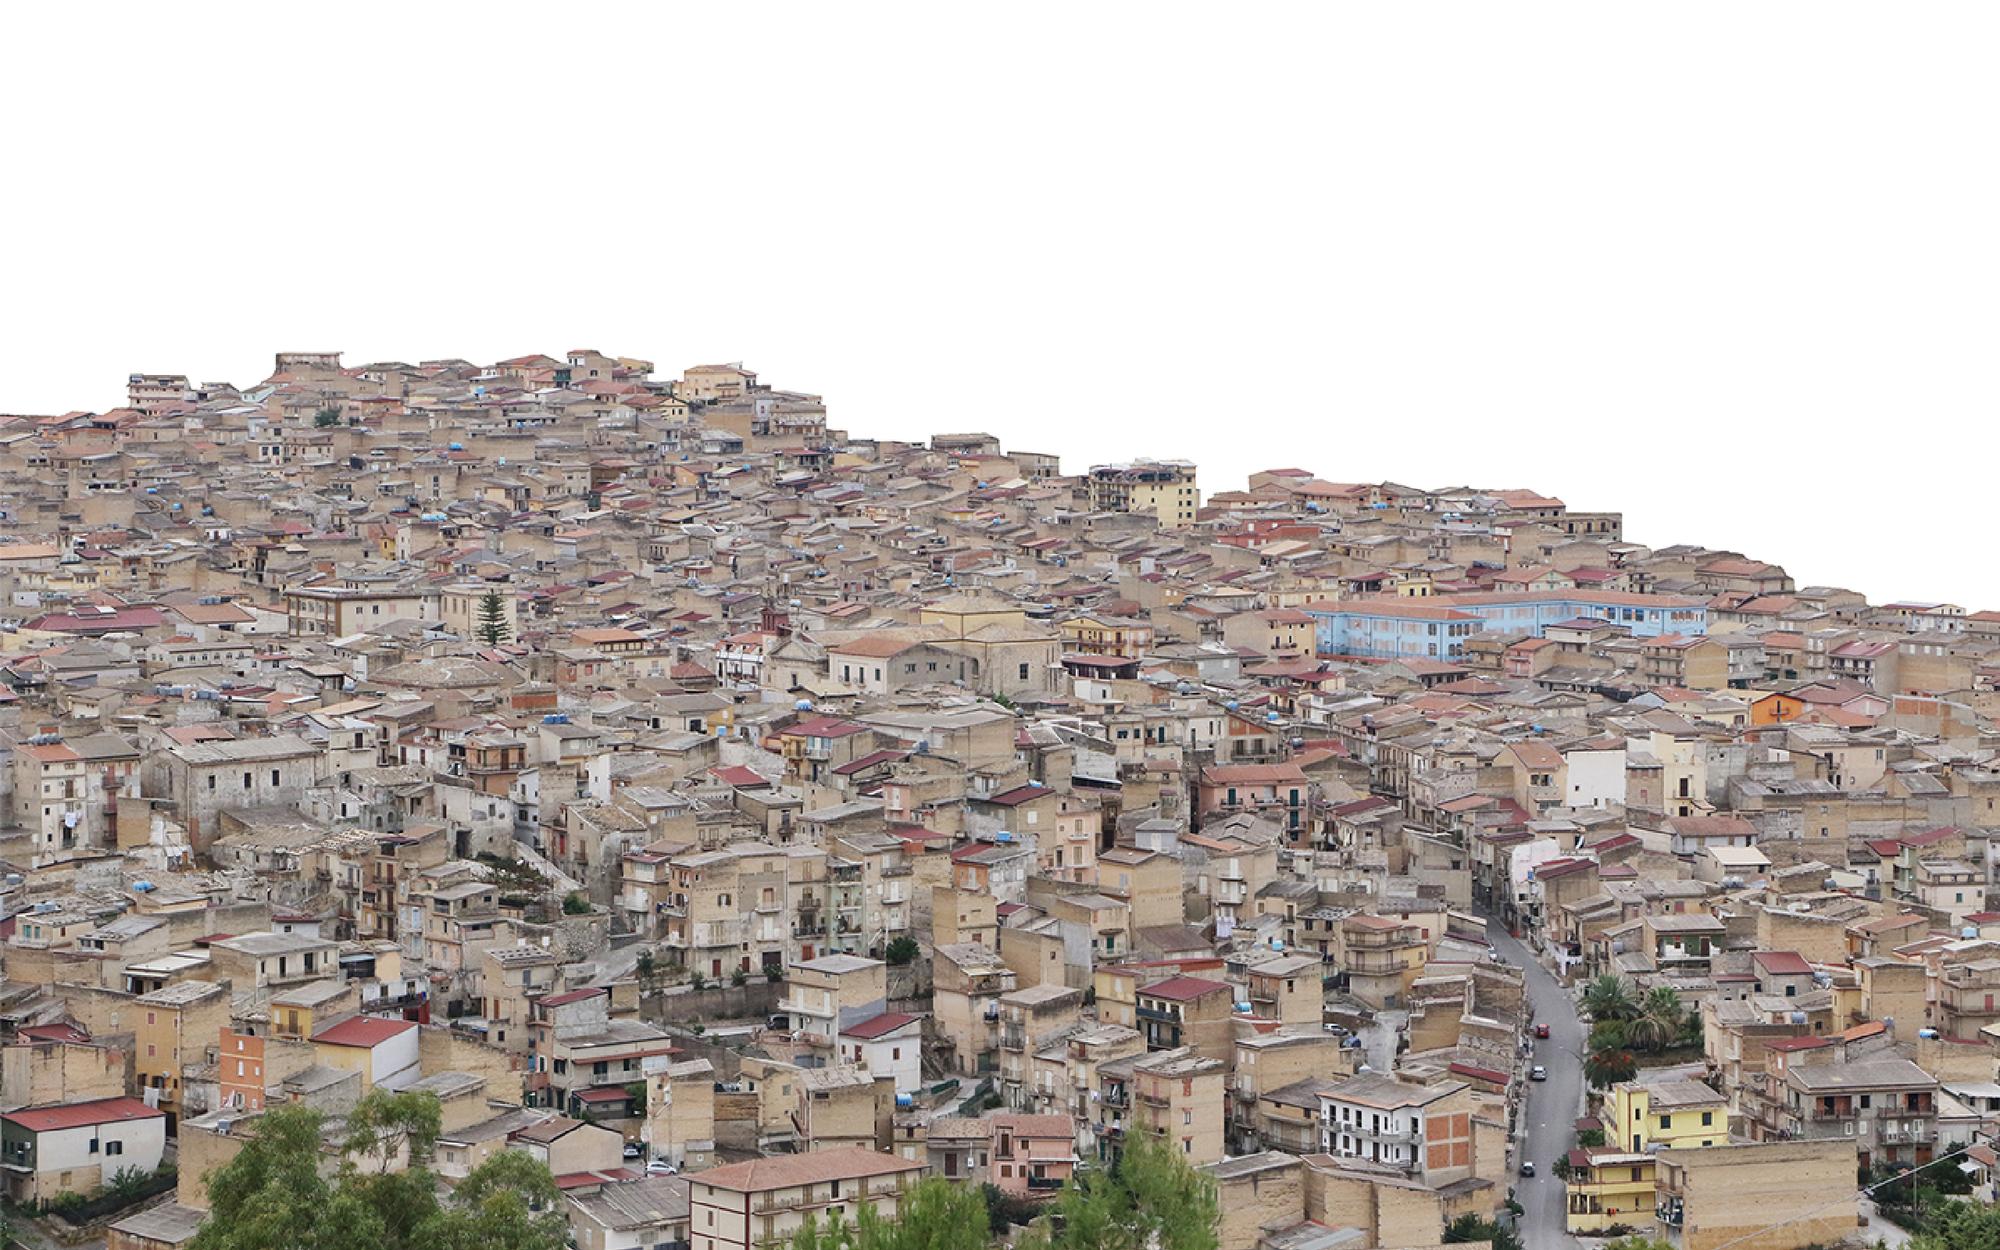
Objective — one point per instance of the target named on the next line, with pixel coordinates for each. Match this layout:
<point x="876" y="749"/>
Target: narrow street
<point x="1551" y="1107"/>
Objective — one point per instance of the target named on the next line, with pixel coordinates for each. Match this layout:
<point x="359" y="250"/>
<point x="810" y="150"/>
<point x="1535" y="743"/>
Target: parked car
<point x="1541" y="1030"/>
<point x="1538" y="1073"/>
<point x="660" y="1167"/>
<point x="632" y="1150"/>
<point x="1527" y="1167"/>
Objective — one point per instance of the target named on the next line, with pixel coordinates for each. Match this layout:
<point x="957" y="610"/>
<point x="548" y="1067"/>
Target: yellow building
<point x="1178" y="1096"/>
<point x="1642" y="1115"/>
<point x="1609" y="1187"/>
<point x="174" y="1026"/>
<point x="1162" y="489"/>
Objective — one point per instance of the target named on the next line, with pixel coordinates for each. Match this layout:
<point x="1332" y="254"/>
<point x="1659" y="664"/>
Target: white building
<point x="78" y="1147"/>
<point x="1389" y="1121"/>
<point x="887" y="1044"/>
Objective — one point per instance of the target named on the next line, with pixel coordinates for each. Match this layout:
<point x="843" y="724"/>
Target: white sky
<point x="1729" y="267"/>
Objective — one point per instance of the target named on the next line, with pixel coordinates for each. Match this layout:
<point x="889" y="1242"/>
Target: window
<point x="246" y="781"/>
<point x="274" y="776"/>
<point x="1707" y="1118"/>
<point x="114" y="1147"/>
<point x="1666" y="1121"/>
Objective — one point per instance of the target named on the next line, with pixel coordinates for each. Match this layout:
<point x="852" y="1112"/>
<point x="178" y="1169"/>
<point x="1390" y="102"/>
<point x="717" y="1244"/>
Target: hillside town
<point x="748" y="819"/>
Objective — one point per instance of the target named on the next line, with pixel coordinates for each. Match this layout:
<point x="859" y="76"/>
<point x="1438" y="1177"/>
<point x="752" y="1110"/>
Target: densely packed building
<point x="745" y="816"/>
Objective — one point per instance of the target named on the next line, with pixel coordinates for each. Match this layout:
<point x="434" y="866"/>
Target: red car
<point x="1541" y="1030"/>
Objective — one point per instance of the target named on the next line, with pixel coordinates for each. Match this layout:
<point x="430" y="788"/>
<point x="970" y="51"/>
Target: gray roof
<point x="638" y="1204"/>
<point x="169" y="1222"/>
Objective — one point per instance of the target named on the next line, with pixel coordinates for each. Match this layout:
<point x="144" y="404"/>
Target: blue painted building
<point x="1400" y="628"/>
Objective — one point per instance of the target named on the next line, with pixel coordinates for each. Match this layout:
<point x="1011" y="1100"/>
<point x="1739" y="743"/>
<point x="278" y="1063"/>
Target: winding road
<point x="1550" y="1111"/>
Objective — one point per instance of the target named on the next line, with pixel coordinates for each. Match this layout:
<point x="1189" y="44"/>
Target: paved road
<point x="1879" y="1229"/>
<point x="1552" y="1107"/>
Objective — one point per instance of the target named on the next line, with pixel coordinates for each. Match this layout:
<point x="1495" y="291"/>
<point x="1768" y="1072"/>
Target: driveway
<point x="1549" y="1114"/>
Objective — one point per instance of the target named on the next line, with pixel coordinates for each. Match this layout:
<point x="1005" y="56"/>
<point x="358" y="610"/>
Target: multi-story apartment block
<point x="1164" y="490"/>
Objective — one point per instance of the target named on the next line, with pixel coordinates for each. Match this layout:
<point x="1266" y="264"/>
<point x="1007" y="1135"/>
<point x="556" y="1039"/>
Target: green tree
<point x="1609" y="1035"/>
<point x="127" y="1183"/>
<point x="903" y="950"/>
<point x="509" y="1202"/>
<point x="1150" y="1199"/>
<point x="1608" y="998"/>
<point x="1005" y="1210"/>
<point x="576" y="903"/>
<point x="492" y="628"/>
<point x="326" y="418"/>
<point x="936" y="1214"/>
<point x="1605" y="1068"/>
<point x="1658" y="1023"/>
<point x="383" y="1196"/>
<point x="1472" y="1228"/>
<point x="1638" y="1241"/>
<point x="1590" y="1138"/>
<point x="1960" y="1226"/>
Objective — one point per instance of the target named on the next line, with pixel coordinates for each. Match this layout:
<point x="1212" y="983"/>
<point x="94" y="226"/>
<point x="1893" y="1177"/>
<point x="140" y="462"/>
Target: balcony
<point x="1375" y="964"/>
<point x="1913" y="1134"/>
<point x="1044" y="1184"/>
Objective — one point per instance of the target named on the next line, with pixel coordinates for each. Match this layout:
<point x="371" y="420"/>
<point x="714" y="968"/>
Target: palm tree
<point x="1605" y="1068"/>
<point x="1657" y="1023"/>
<point x="1609" y="1035"/>
<point x="1607" y="998"/>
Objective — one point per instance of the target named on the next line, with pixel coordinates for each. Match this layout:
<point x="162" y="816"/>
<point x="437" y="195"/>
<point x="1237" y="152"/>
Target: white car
<point x="660" y="1167"/>
<point x="1538" y="1073"/>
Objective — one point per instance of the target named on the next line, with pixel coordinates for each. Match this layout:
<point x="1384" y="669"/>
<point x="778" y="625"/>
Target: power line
<point x="1864" y="1191"/>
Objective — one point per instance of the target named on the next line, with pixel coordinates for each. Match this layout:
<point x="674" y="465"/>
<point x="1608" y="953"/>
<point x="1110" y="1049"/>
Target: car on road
<point x="660" y="1167"/>
<point x="1527" y="1167"/>
<point x="1538" y="1073"/>
<point x="632" y="1150"/>
<point x="1541" y="1030"/>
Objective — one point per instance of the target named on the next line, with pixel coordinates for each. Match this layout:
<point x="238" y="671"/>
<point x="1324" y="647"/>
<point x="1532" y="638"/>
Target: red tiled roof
<point x="571" y="996"/>
<point x="1781" y="963"/>
<point x="823" y="727"/>
<point x="603" y="1093"/>
<point x="887" y="1022"/>
<point x="363" y="1031"/>
<point x="80" y="1114"/>
<point x="1183" y="989"/>
<point x="1019" y="795"/>
<point x="799" y="1170"/>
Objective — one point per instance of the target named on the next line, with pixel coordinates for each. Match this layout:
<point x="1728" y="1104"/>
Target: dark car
<point x="1541" y="1030"/>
